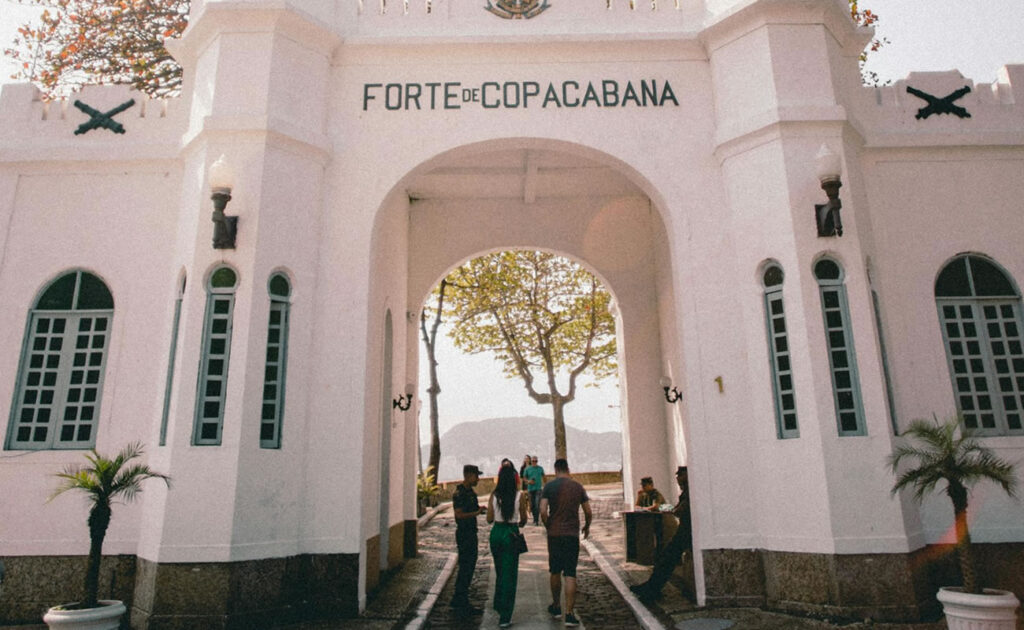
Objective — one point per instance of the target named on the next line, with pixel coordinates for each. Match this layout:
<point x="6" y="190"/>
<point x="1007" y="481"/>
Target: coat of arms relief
<point x="517" y="9"/>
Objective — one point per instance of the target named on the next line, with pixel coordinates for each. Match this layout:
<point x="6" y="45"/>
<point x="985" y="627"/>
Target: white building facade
<point x="671" y="147"/>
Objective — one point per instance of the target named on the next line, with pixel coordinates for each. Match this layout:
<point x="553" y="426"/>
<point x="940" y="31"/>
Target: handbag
<point x="519" y="543"/>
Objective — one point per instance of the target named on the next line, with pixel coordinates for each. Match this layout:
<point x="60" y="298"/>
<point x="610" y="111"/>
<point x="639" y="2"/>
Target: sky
<point x="976" y="37"/>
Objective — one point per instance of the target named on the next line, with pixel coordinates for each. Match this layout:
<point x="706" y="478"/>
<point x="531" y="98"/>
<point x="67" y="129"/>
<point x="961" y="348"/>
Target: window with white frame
<point x="213" y="369"/>
<point x="839" y="341"/>
<point x="980" y="312"/>
<point x="778" y="353"/>
<point x="60" y="375"/>
<point x="277" y="357"/>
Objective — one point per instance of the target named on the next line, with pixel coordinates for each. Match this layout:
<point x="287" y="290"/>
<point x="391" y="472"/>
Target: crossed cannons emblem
<point x="99" y="119"/>
<point x="938" y="105"/>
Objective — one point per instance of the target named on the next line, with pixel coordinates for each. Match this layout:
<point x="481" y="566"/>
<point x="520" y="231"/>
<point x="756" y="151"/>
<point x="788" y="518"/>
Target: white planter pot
<point x="992" y="610"/>
<point x="106" y="617"/>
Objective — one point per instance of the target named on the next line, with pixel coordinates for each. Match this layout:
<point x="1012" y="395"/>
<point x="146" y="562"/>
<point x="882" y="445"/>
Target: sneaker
<point x="554" y="611"/>
<point x="504" y="624"/>
<point x="571" y="621"/>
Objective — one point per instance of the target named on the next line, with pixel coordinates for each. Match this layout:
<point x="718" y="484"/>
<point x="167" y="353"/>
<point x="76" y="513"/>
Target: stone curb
<point x="427" y="605"/>
<point x="643" y="616"/>
<point x="431" y="513"/>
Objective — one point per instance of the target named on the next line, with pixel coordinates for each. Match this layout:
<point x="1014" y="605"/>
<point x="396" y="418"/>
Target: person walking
<point x="466" y="509"/>
<point x="560" y="505"/>
<point x="507" y="510"/>
<point x="522" y="471"/>
<point x="534" y="480"/>
<point x="667" y="560"/>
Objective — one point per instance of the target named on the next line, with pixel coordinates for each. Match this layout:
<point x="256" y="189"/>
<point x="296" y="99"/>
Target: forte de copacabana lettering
<point x="516" y="94"/>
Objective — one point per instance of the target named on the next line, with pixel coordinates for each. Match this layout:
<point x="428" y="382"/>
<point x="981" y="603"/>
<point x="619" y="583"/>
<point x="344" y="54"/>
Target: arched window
<point x="839" y="339"/>
<point x="277" y="358"/>
<point x="169" y="381"/>
<point x="60" y="377"/>
<point x="778" y="352"/>
<point x="213" y="370"/>
<point x="980" y="312"/>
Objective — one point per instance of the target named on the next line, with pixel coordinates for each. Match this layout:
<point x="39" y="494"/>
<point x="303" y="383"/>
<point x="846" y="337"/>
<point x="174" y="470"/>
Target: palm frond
<point x="946" y="451"/>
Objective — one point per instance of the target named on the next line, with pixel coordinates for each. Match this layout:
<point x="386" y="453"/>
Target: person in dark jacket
<point x="667" y="560"/>
<point x="466" y="509"/>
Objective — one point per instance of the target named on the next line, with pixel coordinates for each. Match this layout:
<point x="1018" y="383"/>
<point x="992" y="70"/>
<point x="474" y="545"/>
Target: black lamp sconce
<point x="672" y="395"/>
<point x="224" y="227"/>
<point x="403" y="402"/>
<point x="826" y="215"/>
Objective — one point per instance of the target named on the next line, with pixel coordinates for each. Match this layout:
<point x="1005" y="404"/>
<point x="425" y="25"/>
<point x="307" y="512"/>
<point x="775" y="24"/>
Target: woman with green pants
<point x="507" y="511"/>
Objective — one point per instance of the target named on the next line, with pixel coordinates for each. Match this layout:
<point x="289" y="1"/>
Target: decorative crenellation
<point x="430" y="7"/>
<point x="946" y="103"/>
<point x="1007" y="90"/>
<point x="25" y="113"/>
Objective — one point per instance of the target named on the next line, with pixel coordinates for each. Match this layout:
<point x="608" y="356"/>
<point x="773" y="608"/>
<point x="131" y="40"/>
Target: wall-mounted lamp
<point x="672" y="394"/>
<point x="405" y="401"/>
<point x="826" y="215"/>
<point x="224" y="227"/>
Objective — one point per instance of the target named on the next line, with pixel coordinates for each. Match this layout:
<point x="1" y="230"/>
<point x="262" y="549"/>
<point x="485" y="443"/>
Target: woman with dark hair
<point x="507" y="511"/>
<point x="506" y="462"/>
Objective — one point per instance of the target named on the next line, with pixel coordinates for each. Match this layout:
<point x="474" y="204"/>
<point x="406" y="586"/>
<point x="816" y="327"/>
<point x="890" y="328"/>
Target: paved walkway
<point x="417" y="596"/>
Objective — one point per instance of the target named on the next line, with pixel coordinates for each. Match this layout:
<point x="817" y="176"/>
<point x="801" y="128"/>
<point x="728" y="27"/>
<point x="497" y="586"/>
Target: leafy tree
<point x="430" y="342"/>
<point x="865" y="17"/>
<point x="542" y="316"/>
<point x="78" y="42"/>
<point x="947" y="452"/>
<point x="103" y="480"/>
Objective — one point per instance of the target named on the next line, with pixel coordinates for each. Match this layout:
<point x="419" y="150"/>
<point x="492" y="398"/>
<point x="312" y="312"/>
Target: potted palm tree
<point x="102" y="480"/>
<point x="946" y="451"/>
<point x="426" y="490"/>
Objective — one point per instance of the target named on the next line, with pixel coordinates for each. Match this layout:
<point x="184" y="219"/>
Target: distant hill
<point x="486" y="442"/>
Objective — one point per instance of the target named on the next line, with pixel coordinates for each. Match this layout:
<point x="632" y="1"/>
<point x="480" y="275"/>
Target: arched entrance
<point x="546" y="195"/>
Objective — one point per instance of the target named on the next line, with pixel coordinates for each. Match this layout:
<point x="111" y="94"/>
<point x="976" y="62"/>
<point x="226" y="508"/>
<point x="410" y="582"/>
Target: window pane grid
<point x="274" y="372"/>
<point x="984" y="346"/>
<point x="59" y="394"/>
<point x="845" y="388"/>
<point x="213" y="374"/>
<point x="782" y="374"/>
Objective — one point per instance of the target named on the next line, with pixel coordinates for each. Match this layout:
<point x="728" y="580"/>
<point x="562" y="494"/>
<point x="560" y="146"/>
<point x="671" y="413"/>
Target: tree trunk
<point x="430" y="343"/>
<point x="965" y="553"/>
<point x="557" y="411"/>
<point x="99" y="519"/>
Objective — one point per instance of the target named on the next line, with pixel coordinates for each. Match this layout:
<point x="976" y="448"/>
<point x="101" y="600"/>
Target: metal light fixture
<point x="672" y="394"/>
<point x="826" y="215"/>
<point x="405" y="401"/>
<point x="224" y="227"/>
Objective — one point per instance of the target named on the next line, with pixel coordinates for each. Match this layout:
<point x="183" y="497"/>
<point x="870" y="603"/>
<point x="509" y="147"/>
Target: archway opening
<point x="521" y="359"/>
<point x="536" y="195"/>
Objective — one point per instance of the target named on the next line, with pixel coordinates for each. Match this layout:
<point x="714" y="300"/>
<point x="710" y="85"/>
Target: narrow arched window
<point x="169" y="380"/>
<point x="980" y="312"/>
<point x="213" y="369"/>
<point x="778" y="353"/>
<point x="839" y="341"/>
<point x="277" y="357"/>
<point x="60" y="377"/>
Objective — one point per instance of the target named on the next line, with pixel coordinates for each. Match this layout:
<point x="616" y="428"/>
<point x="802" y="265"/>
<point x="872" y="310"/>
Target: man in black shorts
<point x="560" y="503"/>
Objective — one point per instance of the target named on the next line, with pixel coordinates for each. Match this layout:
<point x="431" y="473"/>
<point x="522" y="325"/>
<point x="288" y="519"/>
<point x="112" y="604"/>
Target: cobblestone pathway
<point x="598" y="604"/>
